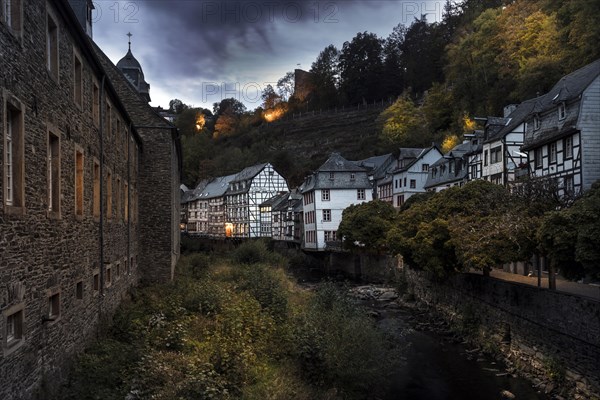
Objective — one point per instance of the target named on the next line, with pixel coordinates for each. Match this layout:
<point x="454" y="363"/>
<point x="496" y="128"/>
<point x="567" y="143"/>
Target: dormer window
<point x="562" y="111"/>
<point x="331" y="175"/>
<point x="352" y="176"/>
<point x="536" y="122"/>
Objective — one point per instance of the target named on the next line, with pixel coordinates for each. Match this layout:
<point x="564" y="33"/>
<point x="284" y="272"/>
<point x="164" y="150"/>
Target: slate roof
<point x="457" y="153"/>
<point x="569" y="87"/>
<point x="342" y="169"/>
<point x="514" y="119"/>
<point x="249" y="172"/>
<point x="276" y="201"/>
<point x="412" y="153"/>
<point x="337" y="163"/>
<point x="217" y="187"/>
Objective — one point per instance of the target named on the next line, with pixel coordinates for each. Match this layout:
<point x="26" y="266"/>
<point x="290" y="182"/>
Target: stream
<point x="435" y="367"/>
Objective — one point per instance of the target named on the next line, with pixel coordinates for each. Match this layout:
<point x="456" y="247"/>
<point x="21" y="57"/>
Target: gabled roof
<point x="217" y="187"/>
<point x="514" y="119"/>
<point x="569" y="87"/>
<point x="337" y="163"/>
<point x="249" y="172"/>
<point x="276" y="201"/>
<point x="416" y="154"/>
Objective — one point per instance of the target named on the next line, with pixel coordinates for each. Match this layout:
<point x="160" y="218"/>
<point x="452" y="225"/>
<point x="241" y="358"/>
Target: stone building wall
<point x="42" y="253"/>
<point x="533" y="327"/>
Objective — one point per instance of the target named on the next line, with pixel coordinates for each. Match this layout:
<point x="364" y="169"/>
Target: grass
<point x="235" y="327"/>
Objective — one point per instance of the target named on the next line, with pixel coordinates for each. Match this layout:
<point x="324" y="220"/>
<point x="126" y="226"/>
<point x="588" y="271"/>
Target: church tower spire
<point x="131" y="68"/>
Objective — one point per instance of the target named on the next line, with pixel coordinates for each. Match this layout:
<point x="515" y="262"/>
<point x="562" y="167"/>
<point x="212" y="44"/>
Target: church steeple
<point x="131" y="68"/>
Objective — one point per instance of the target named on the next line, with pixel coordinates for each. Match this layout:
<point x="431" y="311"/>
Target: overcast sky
<point x="203" y="51"/>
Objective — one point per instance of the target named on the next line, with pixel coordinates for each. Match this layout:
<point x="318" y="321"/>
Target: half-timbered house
<point x="247" y="191"/>
<point x="412" y="170"/>
<point x="562" y="133"/>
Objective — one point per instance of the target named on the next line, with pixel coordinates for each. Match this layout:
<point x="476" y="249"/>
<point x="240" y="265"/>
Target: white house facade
<point x="337" y="184"/>
<point x="411" y="174"/>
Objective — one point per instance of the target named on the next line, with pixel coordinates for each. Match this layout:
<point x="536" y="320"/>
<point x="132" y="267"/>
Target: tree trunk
<point x="551" y="274"/>
<point x="486" y="271"/>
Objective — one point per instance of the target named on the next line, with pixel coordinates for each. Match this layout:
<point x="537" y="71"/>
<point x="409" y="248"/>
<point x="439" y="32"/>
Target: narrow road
<point x="562" y="285"/>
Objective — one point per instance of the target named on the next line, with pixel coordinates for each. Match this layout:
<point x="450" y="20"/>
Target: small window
<point x="108" y="280"/>
<point x="352" y="176"/>
<point x="485" y="158"/>
<point x="326" y="215"/>
<point x="413" y="184"/>
<point x="14" y="328"/>
<point x="53" y="174"/>
<point x="538" y="157"/>
<point x="568" y="147"/>
<point x="54" y="307"/>
<point x="14" y="160"/>
<point x="425" y="167"/>
<point x="325" y="195"/>
<point x="107" y="121"/>
<point x="96" y="282"/>
<point x="96" y="104"/>
<point x="552" y="152"/>
<point x="79" y="182"/>
<point x="96" y="188"/>
<point x="569" y="185"/>
<point x="496" y="155"/>
<point x="360" y="194"/>
<point x="79" y="290"/>
<point x="562" y="111"/>
<point x="77" y="80"/>
<point x="108" y="195"/>
<point x="536" y="122"/>
<point x="52" y="46"/>
<point x="331" y="175"/>
<point x="11" y="14"/>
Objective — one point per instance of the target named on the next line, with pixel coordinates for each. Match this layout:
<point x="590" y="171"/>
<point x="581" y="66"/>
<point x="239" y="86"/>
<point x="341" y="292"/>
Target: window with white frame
<point x="360" y="194"/>
<point x="552" y="152"/>
<point x="326" y="215"/>
<point x="568" y="147"/>
<point x="425" y="168"/>
<point x="496" y="155"/>
<point x="14" y="160"/>
<point x="325" y="195"/>
<point x="538" y="157"/>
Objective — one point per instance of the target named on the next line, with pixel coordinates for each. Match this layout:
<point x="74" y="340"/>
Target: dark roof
<point x="276" y="201"/>
<point x="459" y="152"/>
<point x="415" y="154"/>
<point x="515" y="118"/>
<point x="337" y="163"/>
<point x="569" y="87"/>
<point x="249" y="172"/>
<point x="129" y="61"/>
<point x="217" y="187"/>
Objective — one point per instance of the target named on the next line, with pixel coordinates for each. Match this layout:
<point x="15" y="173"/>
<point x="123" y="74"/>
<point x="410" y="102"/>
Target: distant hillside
<point x="298" y="146"/>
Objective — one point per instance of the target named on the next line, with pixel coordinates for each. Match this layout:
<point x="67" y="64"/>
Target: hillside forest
<point x="435" y="78"/>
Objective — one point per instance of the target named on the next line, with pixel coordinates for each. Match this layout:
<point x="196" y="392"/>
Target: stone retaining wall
<point x="538" y="330"/>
